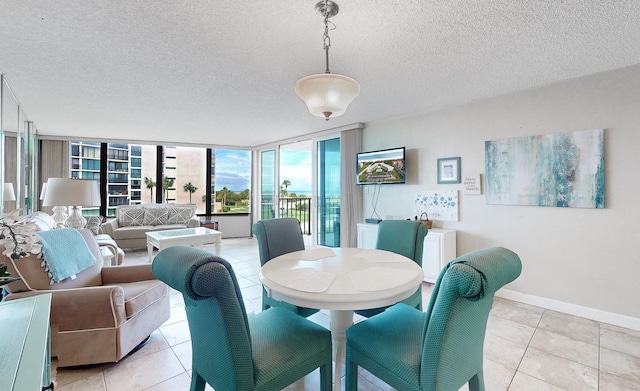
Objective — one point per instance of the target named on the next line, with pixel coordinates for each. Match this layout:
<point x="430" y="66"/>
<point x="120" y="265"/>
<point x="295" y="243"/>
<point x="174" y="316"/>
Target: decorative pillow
<point x="155" y="216"/>
<point x="179" y="215"/>
<point x="93" y="224"/>
<point x="128" y="217"/>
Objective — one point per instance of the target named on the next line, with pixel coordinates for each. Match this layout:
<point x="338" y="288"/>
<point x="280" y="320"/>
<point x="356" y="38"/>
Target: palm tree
<point x="167" y="183"/>
<point x="222" y="194"/>
<point x="286" y="183"/>
<point x="150" y="183"/>
<point x="189" y="187"/>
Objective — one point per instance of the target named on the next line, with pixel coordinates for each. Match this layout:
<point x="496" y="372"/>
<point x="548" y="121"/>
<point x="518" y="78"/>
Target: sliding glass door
<point x="328" y="192"/>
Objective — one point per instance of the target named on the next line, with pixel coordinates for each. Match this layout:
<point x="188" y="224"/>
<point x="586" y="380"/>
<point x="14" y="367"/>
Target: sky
<point x="233" y="169"/>
<point x="295" y="166"/>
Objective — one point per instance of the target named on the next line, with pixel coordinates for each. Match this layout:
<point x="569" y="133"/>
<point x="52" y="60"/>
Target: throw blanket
<point x="65" y="253"/>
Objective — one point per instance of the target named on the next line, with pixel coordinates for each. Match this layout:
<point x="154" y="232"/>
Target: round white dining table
<point x="341" y="280"/>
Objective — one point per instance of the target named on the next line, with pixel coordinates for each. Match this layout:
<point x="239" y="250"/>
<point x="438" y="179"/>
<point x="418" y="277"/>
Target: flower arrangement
<point x="19" y="239"/>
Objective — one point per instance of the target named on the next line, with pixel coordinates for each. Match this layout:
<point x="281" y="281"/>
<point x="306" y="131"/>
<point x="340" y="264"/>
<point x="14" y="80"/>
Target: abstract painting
<point x="439" y="205"/>
<point x="561" y="170"/>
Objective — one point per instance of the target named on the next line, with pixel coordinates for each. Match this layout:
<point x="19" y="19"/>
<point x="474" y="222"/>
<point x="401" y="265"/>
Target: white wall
<point x="584" y="258"/>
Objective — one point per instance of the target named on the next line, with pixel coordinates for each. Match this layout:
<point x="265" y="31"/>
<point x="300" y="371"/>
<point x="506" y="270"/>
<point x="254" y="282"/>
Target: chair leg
<point x="197" y="382"/>
<point x="326" y="377"/>
<point x="351" y="376"/>
<point x="477" y="382"/>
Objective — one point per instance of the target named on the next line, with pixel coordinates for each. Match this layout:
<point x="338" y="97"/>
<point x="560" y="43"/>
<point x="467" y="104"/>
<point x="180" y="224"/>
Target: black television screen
<point x="378" y="167"/>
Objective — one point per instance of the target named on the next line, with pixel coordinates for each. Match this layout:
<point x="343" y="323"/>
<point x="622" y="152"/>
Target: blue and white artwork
<point x="561" y="170"/>
<point x="438" y="205"/>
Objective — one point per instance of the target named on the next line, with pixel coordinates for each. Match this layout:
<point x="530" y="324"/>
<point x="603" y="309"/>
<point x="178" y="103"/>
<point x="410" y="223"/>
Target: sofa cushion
<point x="133" y="232"/>
<point x="130" y="217"/>
<point x="155" y="216"/>
<point x="141" y="294"/>
<point x="180" y="215"/>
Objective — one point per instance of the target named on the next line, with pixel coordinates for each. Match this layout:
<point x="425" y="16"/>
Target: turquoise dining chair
<point x="404" y="237"/>
<point x="277" y="237"/>
<point x="440" y="349"/>
<point x="233" y="351"/>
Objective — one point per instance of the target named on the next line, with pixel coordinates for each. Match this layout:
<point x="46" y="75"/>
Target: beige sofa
<point x="102" y="314"/>
<point x="132" y="222"/>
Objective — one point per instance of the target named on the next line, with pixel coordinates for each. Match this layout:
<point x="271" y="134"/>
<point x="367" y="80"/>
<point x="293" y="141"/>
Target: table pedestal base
<point x="340" y="321"/>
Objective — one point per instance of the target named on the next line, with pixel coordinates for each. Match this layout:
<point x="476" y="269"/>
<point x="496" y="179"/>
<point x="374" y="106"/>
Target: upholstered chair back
<point x="456" y="319"/>
<point x="278" y="236"/>
<point x="404" y="237"/>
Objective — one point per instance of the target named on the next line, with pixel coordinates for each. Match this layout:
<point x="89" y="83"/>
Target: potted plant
<point x="19" y="239"/>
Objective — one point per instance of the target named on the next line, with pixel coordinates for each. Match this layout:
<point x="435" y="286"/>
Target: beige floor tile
<point x="93" y="383"/>
<point x="176" y="333"/>
<point x="503" y="351"/>
<point x="609" y="382"/>
<point x="517" y="312"/>
<point x="620" y="364"/>
<point x="566" y="347"/>
<point x="144" y="372"/>
<point x="510" y="330"/>
<point x="184" y="353"/>
<point x="180" y="382"/>
<point x="572" y="326"/>
<point x="558" y="371"/>
<point x="497" y="377"/>
<point x="620" y="339"/>
<point x="65" y="376"/>
<point x="524" y="382"/>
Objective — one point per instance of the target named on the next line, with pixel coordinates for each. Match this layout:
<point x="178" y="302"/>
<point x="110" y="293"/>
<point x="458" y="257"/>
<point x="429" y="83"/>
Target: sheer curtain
<point x="351" y="194"/>
<point x="54" y="163"/>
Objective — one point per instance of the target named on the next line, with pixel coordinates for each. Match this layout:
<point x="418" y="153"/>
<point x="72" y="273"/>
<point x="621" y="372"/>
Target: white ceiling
<point x="222" y="72"/>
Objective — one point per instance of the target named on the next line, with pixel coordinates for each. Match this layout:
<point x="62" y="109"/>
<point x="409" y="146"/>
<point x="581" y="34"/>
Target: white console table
<point x="439" y="247"/>
<point x="25" y="360"/>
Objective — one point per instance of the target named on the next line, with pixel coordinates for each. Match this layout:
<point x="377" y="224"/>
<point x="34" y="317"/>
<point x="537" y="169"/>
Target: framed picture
<point x="449" y="170"/>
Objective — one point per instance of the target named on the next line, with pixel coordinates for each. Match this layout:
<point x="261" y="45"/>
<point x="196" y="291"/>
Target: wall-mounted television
<point x="381" y="167"/>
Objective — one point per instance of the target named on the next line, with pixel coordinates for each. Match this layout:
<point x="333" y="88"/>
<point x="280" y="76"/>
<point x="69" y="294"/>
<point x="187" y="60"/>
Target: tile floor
<point x="527" y="348"/>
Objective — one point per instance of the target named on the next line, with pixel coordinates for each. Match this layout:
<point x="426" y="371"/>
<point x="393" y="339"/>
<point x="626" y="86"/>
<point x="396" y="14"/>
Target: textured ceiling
<point x="222" y="72"/>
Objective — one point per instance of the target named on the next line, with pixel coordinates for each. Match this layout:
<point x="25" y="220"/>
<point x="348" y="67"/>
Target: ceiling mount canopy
<point x="327" y="94"/>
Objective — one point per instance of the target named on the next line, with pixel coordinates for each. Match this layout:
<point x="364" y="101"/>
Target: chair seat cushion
<point x="289" y="332"/>
<point x="141" y="294"/>
<point x="390" y="338"/>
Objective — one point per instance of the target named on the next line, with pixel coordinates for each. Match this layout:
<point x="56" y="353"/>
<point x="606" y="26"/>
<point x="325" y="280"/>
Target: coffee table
<point x="183" y="237"/>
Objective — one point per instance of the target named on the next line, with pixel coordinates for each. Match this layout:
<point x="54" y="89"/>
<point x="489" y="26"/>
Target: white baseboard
<point x="572" y="309"/>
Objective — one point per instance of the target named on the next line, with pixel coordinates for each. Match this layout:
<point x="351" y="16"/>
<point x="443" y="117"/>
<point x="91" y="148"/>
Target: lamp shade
<point x="327" y="94"/>
<point x="7" y="192"/>
<point x="73" y="192"/>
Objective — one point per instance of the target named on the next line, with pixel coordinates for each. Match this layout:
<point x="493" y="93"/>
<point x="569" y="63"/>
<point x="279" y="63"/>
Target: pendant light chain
<point x="325" y="37"/>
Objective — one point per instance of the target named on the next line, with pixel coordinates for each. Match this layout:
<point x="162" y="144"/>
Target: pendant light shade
<point x="327" y="94"/>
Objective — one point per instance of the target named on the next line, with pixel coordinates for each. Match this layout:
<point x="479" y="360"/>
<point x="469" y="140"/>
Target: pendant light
<point x="327" y="94"/>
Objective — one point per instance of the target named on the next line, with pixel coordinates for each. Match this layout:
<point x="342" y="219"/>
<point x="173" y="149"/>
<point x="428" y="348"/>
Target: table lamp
<point x="74" y="192"/>
<point x="8" y="193"/>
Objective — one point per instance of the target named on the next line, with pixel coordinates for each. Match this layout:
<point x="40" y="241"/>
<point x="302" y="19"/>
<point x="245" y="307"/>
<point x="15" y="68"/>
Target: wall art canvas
<point x="561" y="170"/>
<point x="439" y="205"/>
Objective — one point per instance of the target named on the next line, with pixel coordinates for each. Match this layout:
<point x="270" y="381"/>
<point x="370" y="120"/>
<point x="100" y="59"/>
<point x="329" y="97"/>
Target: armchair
<point x="404" y="237"/>
<point x="441" y="349"/>
<point x="234" y="351"/>
<point x="102" y="314"/>
<point x="276" y="237"/>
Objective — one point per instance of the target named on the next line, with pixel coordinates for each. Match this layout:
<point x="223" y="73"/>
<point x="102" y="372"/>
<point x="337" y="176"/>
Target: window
<point x="130" y="175"/>
<point x="230" y="181"/>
